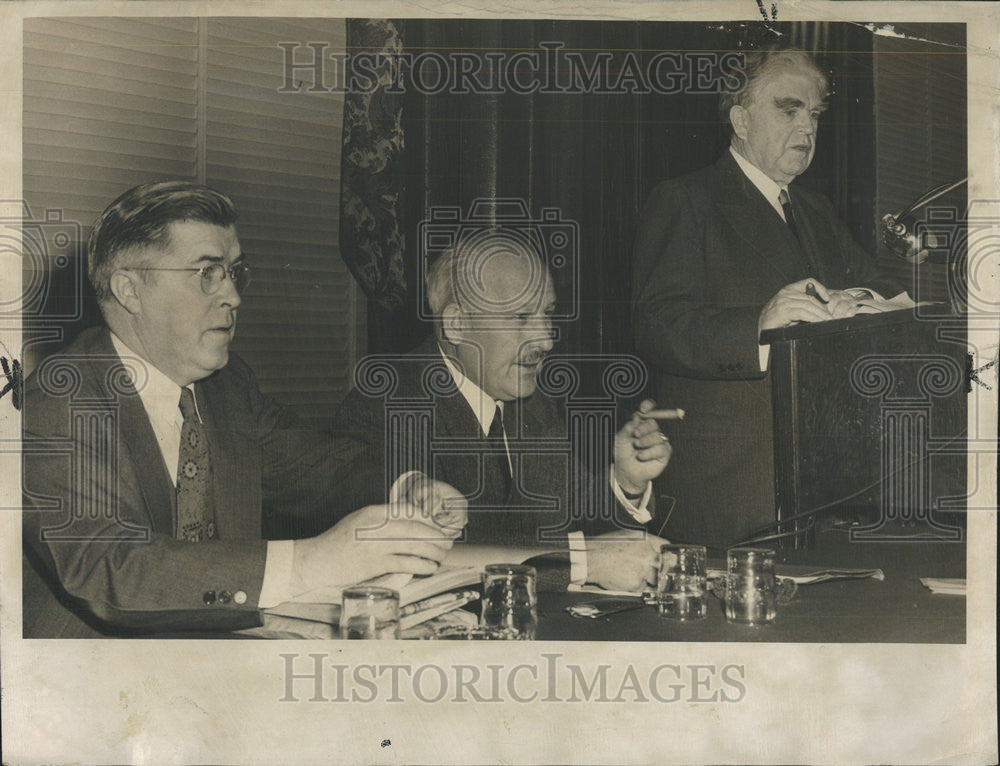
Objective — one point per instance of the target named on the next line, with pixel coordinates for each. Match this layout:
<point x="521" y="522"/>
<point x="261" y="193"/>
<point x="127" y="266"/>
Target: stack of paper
<point x="947" y="586"/>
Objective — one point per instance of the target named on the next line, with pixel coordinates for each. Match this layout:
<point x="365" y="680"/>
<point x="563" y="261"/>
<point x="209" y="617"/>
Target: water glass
<point x="681" y="588"/>
<point x="369" y="612"/>
<point x="751" y="592"/>
<point x="509" y="600"/>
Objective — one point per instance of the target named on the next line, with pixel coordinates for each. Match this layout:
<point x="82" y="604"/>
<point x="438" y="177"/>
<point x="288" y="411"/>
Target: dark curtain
<point x="371" y="243"/>
<point x="595" y="157"/>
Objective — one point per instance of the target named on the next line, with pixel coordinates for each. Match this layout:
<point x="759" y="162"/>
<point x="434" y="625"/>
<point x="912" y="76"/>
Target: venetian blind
<point x="110" y="103"/>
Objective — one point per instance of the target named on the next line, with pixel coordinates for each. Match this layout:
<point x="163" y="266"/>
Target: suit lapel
<point x="136" y="435"/>
<point x="807" y="220"/>
<point x="452" y="419"/>
<point x="758" y="224"/>
<point x="233" y="448"/>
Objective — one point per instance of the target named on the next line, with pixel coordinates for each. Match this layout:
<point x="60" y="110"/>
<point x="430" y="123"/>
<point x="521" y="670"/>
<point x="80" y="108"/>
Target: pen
<point x="663" y="414"/>
<point x="811" y="291"/>
<point x="436" y="601"/>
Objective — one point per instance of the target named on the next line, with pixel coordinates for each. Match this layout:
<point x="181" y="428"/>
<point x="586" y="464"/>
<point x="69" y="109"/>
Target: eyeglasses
<point x="213" y="274"/>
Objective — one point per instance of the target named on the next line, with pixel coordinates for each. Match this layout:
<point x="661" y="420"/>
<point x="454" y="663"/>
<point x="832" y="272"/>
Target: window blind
<point x="113" y="102"/>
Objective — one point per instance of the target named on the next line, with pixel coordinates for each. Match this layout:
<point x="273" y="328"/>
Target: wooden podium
<point x="870" y="419"/>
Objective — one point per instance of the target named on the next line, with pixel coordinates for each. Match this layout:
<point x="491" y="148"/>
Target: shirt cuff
<point x="640" y="514"/>
<point x="277" y="586"/>
<point x="763" y="355"/>
<point x="577" y="558"/>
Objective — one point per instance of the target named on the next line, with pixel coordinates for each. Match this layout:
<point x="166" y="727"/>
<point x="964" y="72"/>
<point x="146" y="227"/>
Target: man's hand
<point x="623" y="560"/>
<point x="793" y="304"/>
<point x="842" y="304"/>
<point x="642" y="451"/>
<point x="376" y="540"/>
<point x="437" y="502"/>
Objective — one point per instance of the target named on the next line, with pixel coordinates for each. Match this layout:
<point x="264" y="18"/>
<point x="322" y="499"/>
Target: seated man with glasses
<point x="150" y="455"/>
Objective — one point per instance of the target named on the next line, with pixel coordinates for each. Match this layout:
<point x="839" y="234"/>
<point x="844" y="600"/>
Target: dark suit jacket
<point x="710" y="252"/>
<point x="99" y="504"/>
<point x="436" y="431"/>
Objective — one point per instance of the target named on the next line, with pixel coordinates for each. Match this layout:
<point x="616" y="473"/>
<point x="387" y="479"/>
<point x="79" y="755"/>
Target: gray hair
<point x="765" y="63"/>
<point x="456" y="275"/>
<point x="140" y="217"/>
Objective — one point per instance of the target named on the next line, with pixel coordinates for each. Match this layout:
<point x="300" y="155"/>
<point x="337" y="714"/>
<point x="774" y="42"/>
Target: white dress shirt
<point x="160" y="397"/>
<point x="483" y="407"/>
<point x="767" y="185"/>
<point x="770" y="189"/>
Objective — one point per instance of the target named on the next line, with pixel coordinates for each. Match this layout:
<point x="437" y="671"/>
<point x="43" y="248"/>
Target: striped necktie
<point x="786" y="208"/>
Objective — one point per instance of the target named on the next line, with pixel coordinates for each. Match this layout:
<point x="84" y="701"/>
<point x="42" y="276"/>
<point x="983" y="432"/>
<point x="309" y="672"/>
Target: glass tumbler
<point x="751" y="592"/>
<point x="509" y="600"/>
<point x="369" y="612"/>
<point x="681" y="588"/>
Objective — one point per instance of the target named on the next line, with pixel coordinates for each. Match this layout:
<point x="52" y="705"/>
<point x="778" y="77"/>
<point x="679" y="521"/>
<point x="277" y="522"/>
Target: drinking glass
<point x="509" y="600"/>
<point x="369" y="612"/>
<point x="681" y="589"/>
<point x="751" y="592"/>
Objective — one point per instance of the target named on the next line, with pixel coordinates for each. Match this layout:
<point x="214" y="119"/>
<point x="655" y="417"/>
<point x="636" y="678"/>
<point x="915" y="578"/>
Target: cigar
<point x="663" y="414"/>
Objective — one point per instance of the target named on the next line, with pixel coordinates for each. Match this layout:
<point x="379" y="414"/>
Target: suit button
<point x="240" y="597"/>
<point x="224" y="597"/>
<point x="208" y="597"/>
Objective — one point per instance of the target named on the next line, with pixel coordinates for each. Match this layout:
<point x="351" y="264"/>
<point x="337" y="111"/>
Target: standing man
<point x="721" y="255"/>
<point x="489" y="433"/>
<point x="149" y="452"/>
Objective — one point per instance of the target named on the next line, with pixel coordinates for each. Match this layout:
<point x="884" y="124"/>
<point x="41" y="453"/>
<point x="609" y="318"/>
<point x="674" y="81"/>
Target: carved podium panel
<point x="870" y="417"/>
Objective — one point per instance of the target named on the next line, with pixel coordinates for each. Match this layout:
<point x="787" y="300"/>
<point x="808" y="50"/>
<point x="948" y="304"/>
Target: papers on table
<point x="945" y="586"/>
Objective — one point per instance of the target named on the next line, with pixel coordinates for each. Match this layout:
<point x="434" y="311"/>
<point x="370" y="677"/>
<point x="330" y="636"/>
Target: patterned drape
<point x="371" y="242"/>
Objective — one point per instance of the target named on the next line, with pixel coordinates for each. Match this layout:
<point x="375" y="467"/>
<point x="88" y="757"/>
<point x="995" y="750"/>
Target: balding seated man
<point x="464" y="408"/>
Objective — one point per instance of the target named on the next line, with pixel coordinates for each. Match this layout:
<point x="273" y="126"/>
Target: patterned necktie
<point x="496" y="461"/>
<point x="195" y="520"/>
<point x="786" y="207"/>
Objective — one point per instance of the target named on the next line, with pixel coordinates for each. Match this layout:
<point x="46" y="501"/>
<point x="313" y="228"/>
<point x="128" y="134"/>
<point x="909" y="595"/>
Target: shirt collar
<point x="764" y="183"/>
<point x="160" y="396"/>
<point x="483" y="406"/>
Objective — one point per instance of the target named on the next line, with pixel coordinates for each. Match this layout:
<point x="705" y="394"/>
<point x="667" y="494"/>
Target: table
<point x="897" y="610"/>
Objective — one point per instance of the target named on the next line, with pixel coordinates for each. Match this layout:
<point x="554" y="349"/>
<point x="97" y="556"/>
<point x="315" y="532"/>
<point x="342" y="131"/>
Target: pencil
<point x="811" y="291"/>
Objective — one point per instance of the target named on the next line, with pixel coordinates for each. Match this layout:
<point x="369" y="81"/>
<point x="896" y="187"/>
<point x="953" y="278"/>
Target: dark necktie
<point x="496" y="461"/>
<point x="786" y="207"/>
<point x="195" y="520"/>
